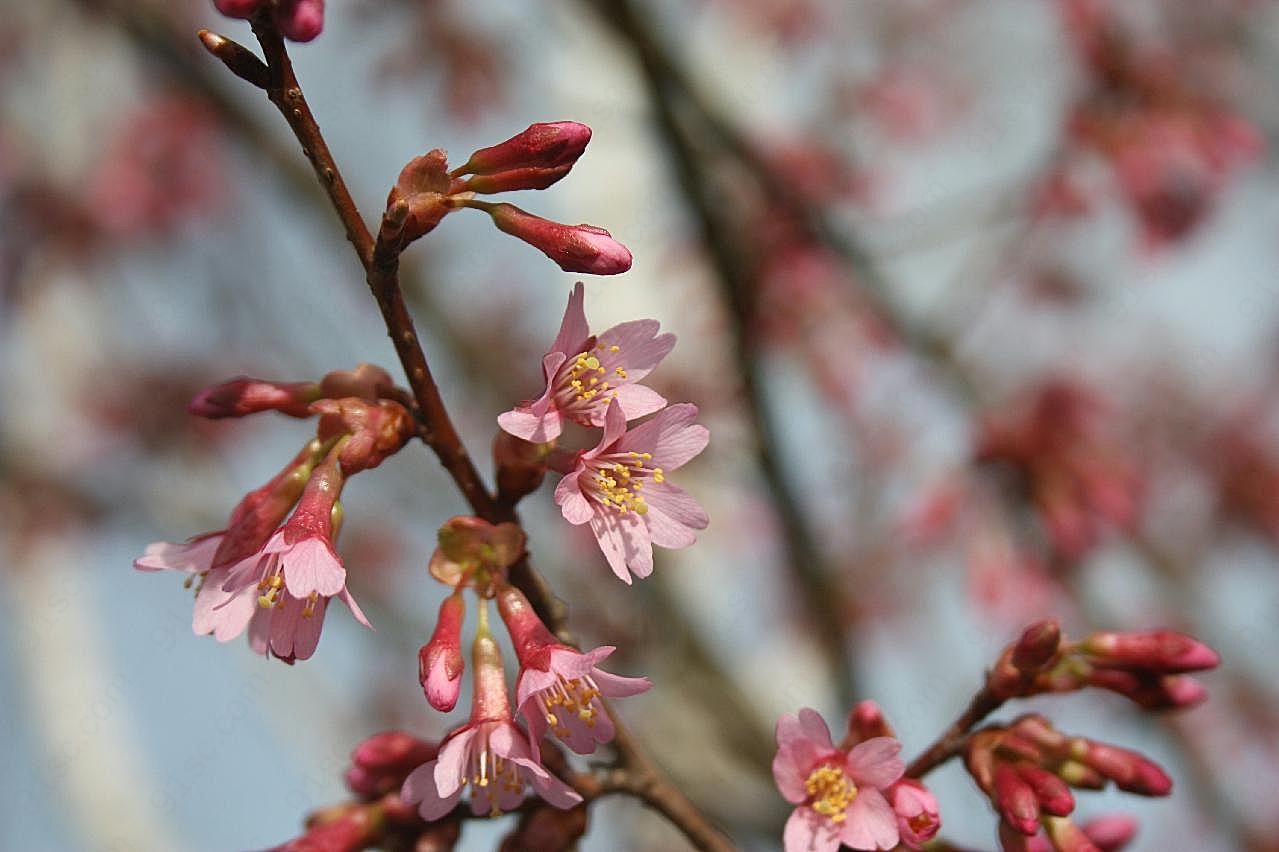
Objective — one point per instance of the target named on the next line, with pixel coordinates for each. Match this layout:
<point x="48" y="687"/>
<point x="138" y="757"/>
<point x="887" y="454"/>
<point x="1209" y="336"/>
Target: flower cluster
<point x="299" y="20"/>
<point x="853" y="794"/>
<point x="272" y="576"/>
<point x="1150" y="668"/>
<point x="1027" y="770"/>
<point x="427" y="191"/>
<point x="559" y="690"/>
<point x="620" y="485"/>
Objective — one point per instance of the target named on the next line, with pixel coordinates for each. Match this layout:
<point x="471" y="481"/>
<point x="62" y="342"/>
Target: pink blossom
<point x="490" y="752"/>
<point x="559" y="686"/>
<point x="839" y="794"/>
<point x="917" y="812"/>
<point x="584" y="373"/>
<point x="620" y="488"/>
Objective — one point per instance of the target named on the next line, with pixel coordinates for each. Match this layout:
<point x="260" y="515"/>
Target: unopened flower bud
<point x="918" y="815"/>
<point x="440" y="661"/>
<point x="1053" y="794"/>
<point x="521" y="466"/>
<point x="866" y="721"/>
<point x="243" y="395"/>
<point x="1111" y="833"/>
<point x="300" y="20"/>
<point x="1150" y="691"/>
<point x="543" y="145"/>
<point x="380" y="764"/>
<point x="367" y="381"/>
<point x="1015" y="800"/>
<point x="473" y="552"/>
<point x="1014" y="840"/>
<point x="575" y="248"/>
<point x="1038" y="646"/>
<point x="515" y="179"/>
<point x="1159" y="651"/>
<point x="1129" y="770"/>
<point x="237" y="8"/>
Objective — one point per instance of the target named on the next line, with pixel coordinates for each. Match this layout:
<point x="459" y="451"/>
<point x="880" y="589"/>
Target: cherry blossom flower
<point x="839" y="795"/>
<point x="585" y="372"/>
<point x="490" y="752"/>
<point x="620" y="488"/>
<point x="559" y="686"/>
<point x="917" y="812"/>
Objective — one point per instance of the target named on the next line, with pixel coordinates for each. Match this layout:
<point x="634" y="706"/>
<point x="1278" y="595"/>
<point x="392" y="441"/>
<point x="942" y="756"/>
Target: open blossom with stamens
<point x="560" y="687"/>
<point x="620" y="488"/>
<point x="293" y="576"/>
<point x="490" y="752"/>
<point x="584" y="373"/>
<point x="839" y="795"/>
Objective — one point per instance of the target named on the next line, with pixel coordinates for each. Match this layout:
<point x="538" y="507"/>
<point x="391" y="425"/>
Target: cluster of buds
<point x="299" y="20"/>
<point x="851" y="794"/>
<point x="559" y="689"/>
<point x="1074" y="471"/>
<point x="619" y="486"/>
<point x="1028" y="768"/>
<point x="1150" y="668"/>
<point x="262" y="572"/>
<point x="426" y="191"/>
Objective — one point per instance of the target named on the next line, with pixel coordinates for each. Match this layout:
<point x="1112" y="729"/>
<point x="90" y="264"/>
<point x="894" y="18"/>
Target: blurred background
<point x="978" y="300"/>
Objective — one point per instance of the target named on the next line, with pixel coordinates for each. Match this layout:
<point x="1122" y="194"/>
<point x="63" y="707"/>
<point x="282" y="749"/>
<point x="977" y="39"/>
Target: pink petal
<point x="523" y="423"/>
<point x="346" y="598"/>
<point x="284" y="625"/>
<point x="813" y="727"/>
<point x="573" y="504"/>
<point x="191" y="557"/>
<point x="552" y="790"/>
<point x="260" y="631"/>
<point x="636" y="401"/>
<point x="614" y="428"/>
<point x="616" y="686"/>
<point x="808" y="831"/>
<point x="640" y="347"/>
<point x="307" y="635"/>
<point x="871" y="823"/>
<point x="311" y="566"/>
<point x="874" y="763"/>
<point x="670" y="436"/>
<point x="420" y="786"/>
<point x="452" y="761"/>
<point x="625" y="541"/>
<point x="573" y="328"/>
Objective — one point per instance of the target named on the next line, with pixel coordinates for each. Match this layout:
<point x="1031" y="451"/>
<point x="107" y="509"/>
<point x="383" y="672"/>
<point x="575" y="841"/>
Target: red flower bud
<point x="574" y="248"/>
<point x="521" y="466"/>
<point x="300" y="20"/>
<point x="440" y="661"/>
<point x="1053" y="794"/>
<point x="1038" y="646"/>
<point x="1150" y="691"/>
<point x="243" y="395"/>
<point x="866" y="721"/>
<point x="541" y="146"/>
<point x="514" y="179"/>
<point x="1159" y="651"/>
<point x="1016" y="800"/>
<point x="1129" y="770"/>
<point x="382" y="762"/>
<point x="367" y="382"/>
<point x="1111" y="833"/>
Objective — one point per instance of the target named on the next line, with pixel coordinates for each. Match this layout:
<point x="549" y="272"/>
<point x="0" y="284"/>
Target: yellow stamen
<point x="831" y="792"/>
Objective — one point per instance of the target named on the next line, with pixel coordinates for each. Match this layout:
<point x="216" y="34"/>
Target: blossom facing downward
<point x="584" y="373"/>
<point x="839" y="795"/>
<point x="440" y="662"/>
<point x="489" y="752"/>
<point x="559" y="688"/>
<point x="620" y="488"/>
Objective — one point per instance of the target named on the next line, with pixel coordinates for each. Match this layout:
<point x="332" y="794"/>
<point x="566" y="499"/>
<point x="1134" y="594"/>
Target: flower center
<point x="831" y="791"/>
<point x="620" y="482"/>
<point x="488" y="773"/>
<point x="585" y="377"/>
<point x="576" y="697"/>
<point x="271" y="588"/>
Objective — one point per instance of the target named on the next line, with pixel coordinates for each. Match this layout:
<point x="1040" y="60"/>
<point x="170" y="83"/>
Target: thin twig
<point x="952" y="739"/>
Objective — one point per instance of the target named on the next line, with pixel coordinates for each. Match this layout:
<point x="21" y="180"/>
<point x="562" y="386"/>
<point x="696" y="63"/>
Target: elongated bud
<point x="440" y="661"/>
<point x="1129" y="770"/>
<point x="1067" y="837"/>
<point x="521" y="466"/>
<point x="244" y="395"/>
<point x="1150" y="691"/>
<point x="1016" y="800"/>
<point x="515" y="179"/>
<point x="542" y="146"/>
<point x="1053" y="794"/>
<point x="380" y="764"/>
<point x="1161" y="651"/>
<point x="350" y="829"/>
<point x="574" y="248"/>
<point x="238" y="59"/>
<point x="530" y="637"/>
<point x="1111" y="833"/>
<point x="1038" y="646"/>
<point x="300" y="20"/>
<point x="1014" y="840"/>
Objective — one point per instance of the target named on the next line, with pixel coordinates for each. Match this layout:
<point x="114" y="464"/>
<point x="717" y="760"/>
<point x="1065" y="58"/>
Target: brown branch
<point x="952" y="739"/>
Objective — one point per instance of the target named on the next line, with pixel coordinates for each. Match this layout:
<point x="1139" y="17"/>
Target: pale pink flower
<point x="620" y="488"/>
<point x="490" y="752"/>
<point x="839" y="794"/>
<point x="584" y="373"/>
<point x="917" y="812"/>
<point x="560" y="687"/>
